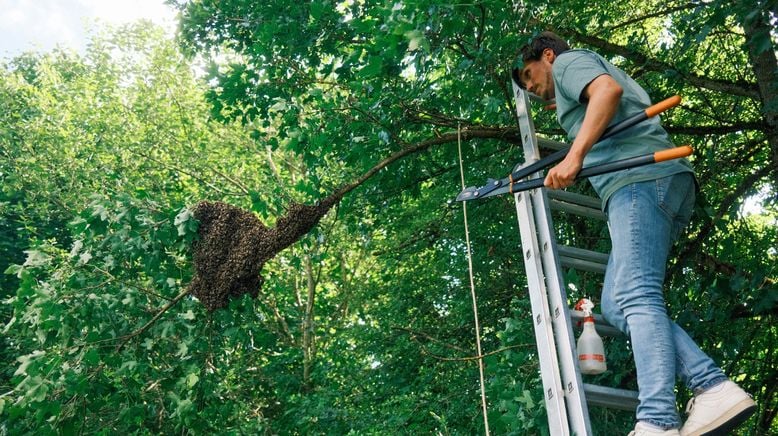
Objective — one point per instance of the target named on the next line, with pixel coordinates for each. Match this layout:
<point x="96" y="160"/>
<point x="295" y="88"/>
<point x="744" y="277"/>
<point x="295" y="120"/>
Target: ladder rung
<point x="602" y="326"/>
<point x="612" y="398"/>
<point x="582" y="265"/>
<point x="572" y="197"/>
<point x="583" y="254"/>
<point x="583" y="260"/>
<point x="576" y="209"/>
<point x="551" y="144"/>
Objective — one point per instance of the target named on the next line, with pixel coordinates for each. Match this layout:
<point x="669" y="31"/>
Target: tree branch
<point x="484" y="133"/>
<point x="464" y="359"/>
<point x="694" y="245"/>
<point x="742" y="88"/>
<point x="661" y="13"/>
<point x="715" y="130"/>
<point x="151" y="322"/>
<point x="765" y="66"/>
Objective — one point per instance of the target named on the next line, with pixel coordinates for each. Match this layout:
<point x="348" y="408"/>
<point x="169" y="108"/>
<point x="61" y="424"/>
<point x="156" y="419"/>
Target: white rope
<point x="472" y="288"/>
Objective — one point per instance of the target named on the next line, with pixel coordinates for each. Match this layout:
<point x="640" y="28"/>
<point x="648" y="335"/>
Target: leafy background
<point x="364" y="326"/>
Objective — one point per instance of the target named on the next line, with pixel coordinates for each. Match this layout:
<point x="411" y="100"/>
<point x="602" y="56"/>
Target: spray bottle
<point x="591" y="352"/>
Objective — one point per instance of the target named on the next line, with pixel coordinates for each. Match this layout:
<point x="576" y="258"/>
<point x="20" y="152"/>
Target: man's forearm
<point x="603" y="96"/>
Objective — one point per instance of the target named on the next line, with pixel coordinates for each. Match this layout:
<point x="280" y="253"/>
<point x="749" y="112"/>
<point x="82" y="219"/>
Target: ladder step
<point x="572" y="197"/>
<point x="576" y="209"/>
<point x="576" y="204"/>
<point x="581" y="265"/>
<point x="611" y="398"/>
<point x="602" y="326"/>
<point x="583" y="260"/>
<point x="583" y="254"/>
<point x="551" y="144"/>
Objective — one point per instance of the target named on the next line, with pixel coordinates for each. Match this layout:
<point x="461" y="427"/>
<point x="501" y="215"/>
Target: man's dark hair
<point x="534" y="50"/>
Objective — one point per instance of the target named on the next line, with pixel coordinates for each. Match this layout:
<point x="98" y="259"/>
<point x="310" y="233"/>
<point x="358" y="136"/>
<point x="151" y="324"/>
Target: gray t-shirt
<point x="572" y="71"/>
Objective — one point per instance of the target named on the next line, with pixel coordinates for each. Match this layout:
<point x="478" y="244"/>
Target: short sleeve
<point x="573" y="71"/>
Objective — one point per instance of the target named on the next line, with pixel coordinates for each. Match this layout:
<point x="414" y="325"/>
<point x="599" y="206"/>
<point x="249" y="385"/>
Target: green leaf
<point x="26" y="360"/>
<point x="91" y="357"/>
<point x="37" y="392"/>
<point x="183" y="349"/>
<point x="182" y="221"/>
<point x="373" y="68"/>
<point x="192" y="380"/>
<point x="417" y="40"/>
<point x="128" y="366"/>
<point x="14" y="269"/>
<point x="35" y="258"/>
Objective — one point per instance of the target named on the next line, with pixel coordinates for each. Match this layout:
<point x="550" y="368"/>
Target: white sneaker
<point x="718" y="410"/>
<point x="642" y="429"/>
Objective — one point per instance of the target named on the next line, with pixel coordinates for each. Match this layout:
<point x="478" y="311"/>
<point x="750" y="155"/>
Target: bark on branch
<point x="509" y="134"/>
<point x="765" y="66"/>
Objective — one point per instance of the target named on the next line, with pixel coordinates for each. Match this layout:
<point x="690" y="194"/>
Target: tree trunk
<point x="309" y="342"/>
<point x="765" y="65"/>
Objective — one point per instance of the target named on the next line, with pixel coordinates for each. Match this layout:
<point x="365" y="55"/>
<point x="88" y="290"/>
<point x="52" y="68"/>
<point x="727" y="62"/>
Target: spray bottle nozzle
<point x="585" y="305"/>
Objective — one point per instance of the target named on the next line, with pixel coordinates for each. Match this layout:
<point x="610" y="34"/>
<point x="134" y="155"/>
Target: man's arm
<point x="603" y="95"/>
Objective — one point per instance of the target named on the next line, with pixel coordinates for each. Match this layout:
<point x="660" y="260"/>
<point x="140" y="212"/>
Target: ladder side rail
<point x="553" y="393"/>
<point x="556" y="409"/>
<point x="577" y="410"/>
<point x="563" y="327"/>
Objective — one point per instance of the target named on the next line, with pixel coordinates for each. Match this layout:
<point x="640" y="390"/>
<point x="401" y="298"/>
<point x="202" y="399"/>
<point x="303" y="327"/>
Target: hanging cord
<point x="472" y="287"/>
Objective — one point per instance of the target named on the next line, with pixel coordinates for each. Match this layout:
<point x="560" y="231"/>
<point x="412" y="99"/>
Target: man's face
<point x="536" y="75"/>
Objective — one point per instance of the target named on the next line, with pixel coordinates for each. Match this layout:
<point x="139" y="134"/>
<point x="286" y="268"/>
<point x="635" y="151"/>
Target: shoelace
<point x="690" y="406"/>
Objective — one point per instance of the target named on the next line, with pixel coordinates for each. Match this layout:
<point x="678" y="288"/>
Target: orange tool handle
<point x="641" y="116"/>
<point x="673" y="153"/>
<point x="663" y="105"/>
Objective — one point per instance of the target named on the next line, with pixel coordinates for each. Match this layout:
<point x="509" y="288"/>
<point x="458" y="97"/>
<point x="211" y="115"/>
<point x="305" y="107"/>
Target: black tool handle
<point x="557" y="156"/>
<point x="623" y="164"/>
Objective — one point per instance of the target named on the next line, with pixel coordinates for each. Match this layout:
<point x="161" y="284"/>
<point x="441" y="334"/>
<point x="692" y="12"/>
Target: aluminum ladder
<point x="566" y="396"/>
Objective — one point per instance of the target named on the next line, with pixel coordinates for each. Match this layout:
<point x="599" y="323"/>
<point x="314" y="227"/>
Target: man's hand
<point x="563" y="174"/>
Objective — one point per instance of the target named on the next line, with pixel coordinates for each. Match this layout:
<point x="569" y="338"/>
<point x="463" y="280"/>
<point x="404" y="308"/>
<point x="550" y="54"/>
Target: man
<point x="647" y="208"/>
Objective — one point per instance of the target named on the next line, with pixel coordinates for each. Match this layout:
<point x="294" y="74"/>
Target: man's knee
<point x="613" y="314"/>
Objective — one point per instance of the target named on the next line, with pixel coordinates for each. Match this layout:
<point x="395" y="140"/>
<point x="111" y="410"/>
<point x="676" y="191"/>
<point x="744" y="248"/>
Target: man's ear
<point x="549" y="55"/>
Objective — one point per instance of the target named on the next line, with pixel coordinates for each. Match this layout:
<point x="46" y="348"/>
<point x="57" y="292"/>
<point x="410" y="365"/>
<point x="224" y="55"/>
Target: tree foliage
<point x="365" y="325"/>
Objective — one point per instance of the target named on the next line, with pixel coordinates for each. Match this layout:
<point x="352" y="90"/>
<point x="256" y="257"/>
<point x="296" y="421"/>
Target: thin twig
<point x="463" y="359"/>
<point x="415" y="333"/>
<point x="164" y="309"/>
<point x="662" y="13"/>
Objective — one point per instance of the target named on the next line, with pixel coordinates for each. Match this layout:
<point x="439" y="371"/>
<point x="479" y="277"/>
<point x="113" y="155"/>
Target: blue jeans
<point x="644" y="220"/>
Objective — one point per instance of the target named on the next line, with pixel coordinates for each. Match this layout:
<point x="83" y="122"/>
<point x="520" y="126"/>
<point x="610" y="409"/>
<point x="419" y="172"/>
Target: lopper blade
<point x="473" y="193"/>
